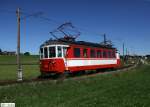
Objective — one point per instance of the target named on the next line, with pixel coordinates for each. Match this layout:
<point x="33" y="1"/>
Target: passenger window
<point x="104" y="54"/>
<point x="109" y="54"/>
<point x="85" y="53"/>
<point x="98" y="54"/>
<point x="113" y="54"/>
<point x="92" y="53"/>
<point x="76" y="52"/>
<point x="59" y="51"/>
<point x="45" y="52"/>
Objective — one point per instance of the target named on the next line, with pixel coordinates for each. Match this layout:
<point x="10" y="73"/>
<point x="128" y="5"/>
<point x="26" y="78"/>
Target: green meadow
<point x="120" y="89"/>
<point x="8" y="67"/>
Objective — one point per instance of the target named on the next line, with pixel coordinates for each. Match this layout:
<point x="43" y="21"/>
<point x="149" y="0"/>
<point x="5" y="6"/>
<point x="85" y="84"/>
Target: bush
<point x="27" y="53"/>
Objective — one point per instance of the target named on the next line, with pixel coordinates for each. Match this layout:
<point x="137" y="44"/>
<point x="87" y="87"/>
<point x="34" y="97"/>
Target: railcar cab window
<point x="77" y="52"/>
<point x="59" y="51"/>
<point x="92" y="53"/>
<point x="52" y="52"/>
<point x="41" y="52"/>
<point x="45" y="52"/>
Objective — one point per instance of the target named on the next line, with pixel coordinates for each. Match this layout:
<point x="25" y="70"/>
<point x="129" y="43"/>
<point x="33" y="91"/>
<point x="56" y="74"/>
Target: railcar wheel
<point x="100" y="70"/>
<point x="46" y="75"/>
<point x="42" y="75"/>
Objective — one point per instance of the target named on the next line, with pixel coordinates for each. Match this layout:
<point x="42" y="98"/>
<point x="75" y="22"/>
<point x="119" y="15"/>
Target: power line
<point x="40" y="16"/>
<point x="7" y="11"/>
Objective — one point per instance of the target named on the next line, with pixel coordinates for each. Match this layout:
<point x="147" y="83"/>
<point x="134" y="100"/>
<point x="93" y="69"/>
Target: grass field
<point x="8" y="69"/>
<point x="24" y="59"/>
<point x="9" y="72"/>
<point x="123" y="89"/>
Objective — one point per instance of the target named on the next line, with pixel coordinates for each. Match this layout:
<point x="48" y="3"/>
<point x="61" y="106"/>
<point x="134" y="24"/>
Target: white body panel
<point x="117" y="56"/>
<point x="90" y="62"/>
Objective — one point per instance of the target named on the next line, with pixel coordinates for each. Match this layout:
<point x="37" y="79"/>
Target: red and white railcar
<point x="60" y="55"/>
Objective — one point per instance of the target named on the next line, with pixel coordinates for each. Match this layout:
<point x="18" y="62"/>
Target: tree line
<point x="12" y="53"/>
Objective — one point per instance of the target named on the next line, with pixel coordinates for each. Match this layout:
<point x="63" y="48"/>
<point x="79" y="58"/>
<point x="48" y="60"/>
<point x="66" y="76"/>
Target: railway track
<point x="64" y="78"/>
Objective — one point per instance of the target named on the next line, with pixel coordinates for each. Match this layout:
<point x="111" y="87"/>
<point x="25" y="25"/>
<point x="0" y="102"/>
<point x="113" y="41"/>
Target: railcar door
<point x="65" y="55"/>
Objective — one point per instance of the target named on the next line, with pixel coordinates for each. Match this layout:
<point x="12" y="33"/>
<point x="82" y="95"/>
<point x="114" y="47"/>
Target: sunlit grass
<point x="123" y="89"/>
<point x="8" y="69"/>
<point x="9" y="72"/>
<point x="24" y="59"/>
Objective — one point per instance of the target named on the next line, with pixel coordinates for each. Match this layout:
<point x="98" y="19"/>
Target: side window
<point x="113" y="54"/>
<point x="85" y="53"/>
<point x="45" y="52"/>
<point x="59" y="51"/>
<point x="41" y="52"/>
<point x="109" y="54"/>
<point x="104" y="54"/>
<point x="99" y="53"/>
<point x="92" y="52"/>
<point x="77" y="52"/>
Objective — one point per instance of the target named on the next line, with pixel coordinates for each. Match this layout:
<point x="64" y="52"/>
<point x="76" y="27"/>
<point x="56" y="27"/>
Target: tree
<point x="0" y="51"/>
<point x="27" y="53"/>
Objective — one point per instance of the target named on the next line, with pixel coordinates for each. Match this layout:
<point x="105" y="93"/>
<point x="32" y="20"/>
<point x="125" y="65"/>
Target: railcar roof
<point x="83" y="43"/>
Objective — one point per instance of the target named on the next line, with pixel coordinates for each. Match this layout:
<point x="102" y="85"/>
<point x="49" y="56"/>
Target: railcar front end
<point x="52" y="59"/>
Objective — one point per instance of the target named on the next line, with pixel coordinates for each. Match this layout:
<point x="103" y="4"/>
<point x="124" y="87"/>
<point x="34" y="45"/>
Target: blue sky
<point x="125" y="21"/>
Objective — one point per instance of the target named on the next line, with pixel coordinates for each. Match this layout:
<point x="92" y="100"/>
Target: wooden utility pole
<point x="123" y="51"/>
<point x="126" y="52"/>
<point x="104" y="38"/>
<point x="126" y="55"/>
<point x="18" y="47"/>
